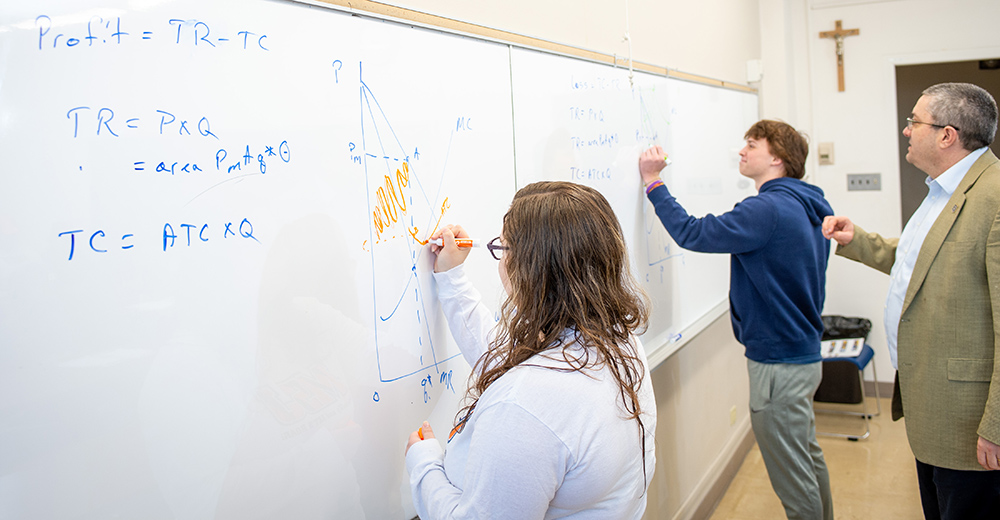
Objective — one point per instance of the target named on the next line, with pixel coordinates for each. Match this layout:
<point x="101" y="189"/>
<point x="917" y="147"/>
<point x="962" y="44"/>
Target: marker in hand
<point x="460" y="242"/>
<point x="667" y="160"/>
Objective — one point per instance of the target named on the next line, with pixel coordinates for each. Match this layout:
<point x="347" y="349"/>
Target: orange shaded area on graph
<point x="390" y="201"/>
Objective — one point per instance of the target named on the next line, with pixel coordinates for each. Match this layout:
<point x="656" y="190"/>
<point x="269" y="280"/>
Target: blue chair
<point x="861" y="361"/>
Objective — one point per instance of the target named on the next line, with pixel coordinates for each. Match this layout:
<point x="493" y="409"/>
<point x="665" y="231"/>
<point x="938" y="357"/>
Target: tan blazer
<point x="949" y="331"/>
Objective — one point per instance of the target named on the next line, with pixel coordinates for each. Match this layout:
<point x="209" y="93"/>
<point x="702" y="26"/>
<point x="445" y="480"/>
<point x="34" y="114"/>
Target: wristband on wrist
<point x="652" y="186"/>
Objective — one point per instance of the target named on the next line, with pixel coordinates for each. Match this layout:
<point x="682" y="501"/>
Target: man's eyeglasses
<point x="496" y="248"/>
<point x="910" y="122"/>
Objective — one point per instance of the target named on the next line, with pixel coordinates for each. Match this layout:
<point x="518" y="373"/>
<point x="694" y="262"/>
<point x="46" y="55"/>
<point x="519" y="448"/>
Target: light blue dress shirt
<point x="914" y="233"/>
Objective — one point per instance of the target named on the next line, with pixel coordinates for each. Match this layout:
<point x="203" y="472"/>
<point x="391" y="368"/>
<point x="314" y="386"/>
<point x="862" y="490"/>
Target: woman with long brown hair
<point x="559" y="415"/>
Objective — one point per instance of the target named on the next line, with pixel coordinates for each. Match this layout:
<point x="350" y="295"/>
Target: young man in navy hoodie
<point x="776" y="292"/>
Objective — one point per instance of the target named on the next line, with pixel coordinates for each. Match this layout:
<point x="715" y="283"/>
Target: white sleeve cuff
<point x="423" y="454"/>
<point x="453" y="282"/>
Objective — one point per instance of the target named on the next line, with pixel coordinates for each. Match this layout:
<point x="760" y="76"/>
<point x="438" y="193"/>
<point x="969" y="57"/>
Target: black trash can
<point x="840" y="378"/>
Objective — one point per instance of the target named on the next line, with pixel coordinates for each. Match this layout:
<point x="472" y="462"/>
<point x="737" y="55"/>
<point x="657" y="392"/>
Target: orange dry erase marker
<point x="460" y="242"/>
<point x="420" y="432"/>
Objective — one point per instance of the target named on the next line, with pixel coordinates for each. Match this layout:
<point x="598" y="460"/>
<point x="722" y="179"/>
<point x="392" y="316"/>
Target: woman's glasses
<point x="461" y="424"/>
<point x="496" y="248"/>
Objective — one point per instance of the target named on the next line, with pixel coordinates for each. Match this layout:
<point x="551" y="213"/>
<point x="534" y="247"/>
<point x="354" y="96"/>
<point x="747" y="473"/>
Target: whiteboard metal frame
<point x="663" y="348"/>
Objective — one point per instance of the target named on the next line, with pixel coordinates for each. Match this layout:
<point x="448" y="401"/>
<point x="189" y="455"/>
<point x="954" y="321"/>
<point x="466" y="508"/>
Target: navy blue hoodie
<point x="778" y="267"/>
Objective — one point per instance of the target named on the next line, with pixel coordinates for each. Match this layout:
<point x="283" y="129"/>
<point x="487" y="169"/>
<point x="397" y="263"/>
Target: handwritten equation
<point x="100" y="120"/>
<point x="597" y="83"/>
<point x="184" y="235"/>
<point x="108" y="31"/>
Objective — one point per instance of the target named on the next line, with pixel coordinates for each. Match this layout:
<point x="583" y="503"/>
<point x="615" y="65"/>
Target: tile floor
<point x="874" y="478"/>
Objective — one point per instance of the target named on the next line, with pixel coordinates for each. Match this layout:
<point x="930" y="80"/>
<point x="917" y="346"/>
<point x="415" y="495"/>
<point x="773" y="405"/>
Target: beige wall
<point x="712" y="38"/>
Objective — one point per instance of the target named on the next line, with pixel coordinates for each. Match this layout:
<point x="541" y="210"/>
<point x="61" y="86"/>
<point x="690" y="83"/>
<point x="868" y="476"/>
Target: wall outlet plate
<point x="864" y="181"/>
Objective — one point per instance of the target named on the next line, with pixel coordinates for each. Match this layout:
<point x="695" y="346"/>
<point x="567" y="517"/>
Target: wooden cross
<point x="838" y="36"/>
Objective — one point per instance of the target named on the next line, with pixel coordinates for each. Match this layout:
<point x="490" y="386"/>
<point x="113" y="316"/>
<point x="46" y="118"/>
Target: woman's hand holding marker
<point x="422" y="434"/>
<point x="449" y="254"/>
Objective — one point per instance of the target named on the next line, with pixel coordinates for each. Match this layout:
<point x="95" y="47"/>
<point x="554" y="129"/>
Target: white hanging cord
<point x="628" y="38"/>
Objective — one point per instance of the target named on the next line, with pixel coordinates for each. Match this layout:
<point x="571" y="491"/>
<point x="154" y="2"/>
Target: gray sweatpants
<point x="781" y="414"/>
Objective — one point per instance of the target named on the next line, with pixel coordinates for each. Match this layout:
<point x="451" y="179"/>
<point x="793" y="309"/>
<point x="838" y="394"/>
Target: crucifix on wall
<point x="838" y="36"/>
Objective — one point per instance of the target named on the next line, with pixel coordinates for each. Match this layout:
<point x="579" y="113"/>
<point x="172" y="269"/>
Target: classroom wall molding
<point x="441" y="23"/>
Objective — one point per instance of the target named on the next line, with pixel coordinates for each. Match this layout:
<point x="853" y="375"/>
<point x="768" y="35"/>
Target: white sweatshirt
<point x="541" y="443"/>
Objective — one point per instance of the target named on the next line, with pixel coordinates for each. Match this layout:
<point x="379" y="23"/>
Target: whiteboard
<point x="213" y="302"/>
<point x="211" y="305"/>
<point x="588" y="122"/>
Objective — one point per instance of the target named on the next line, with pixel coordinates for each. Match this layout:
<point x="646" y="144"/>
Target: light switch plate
<point x="825" y="153"/>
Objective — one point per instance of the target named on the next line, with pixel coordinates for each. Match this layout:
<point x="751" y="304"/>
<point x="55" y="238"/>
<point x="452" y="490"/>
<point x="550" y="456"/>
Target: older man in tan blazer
<point x="943" y="308"/>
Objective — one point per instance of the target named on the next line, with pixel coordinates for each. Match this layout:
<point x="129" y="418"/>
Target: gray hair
<point x="967" y="108"/>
